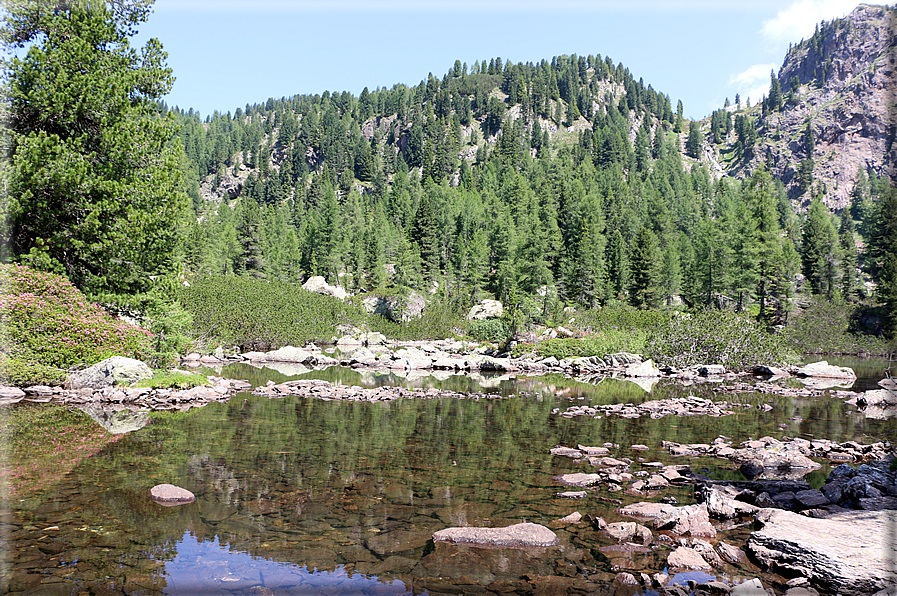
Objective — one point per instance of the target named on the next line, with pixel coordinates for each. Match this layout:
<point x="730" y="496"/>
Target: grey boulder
<point x="116" y="370"/>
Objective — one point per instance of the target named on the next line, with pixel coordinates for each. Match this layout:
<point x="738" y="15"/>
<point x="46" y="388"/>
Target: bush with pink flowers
<point x="47" y="326"/>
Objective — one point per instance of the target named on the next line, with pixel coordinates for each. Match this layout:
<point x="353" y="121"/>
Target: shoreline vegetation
<point x="50" y="328"/>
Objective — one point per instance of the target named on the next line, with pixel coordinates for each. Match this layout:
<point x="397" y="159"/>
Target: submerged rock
<point x="516" y="536"/>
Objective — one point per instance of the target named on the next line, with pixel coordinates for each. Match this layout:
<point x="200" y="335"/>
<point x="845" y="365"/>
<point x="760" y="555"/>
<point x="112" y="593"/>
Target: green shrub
<point x="717" y="337"/>
<point x="622" y="318"/>
<point x="442" y="318"/>
<point x="491" y="330"/>
<point x="19" y="373"/>
<point x="46" y="323"/>
<point x="826" y="327"/>
<point x="260" y="315"/>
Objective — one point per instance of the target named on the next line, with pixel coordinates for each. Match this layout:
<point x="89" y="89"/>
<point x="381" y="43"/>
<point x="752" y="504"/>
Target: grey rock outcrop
<point x="398" y="309"/>
<point x="846" y="84"/>
<point x="487" y="309"/>
<point x="116" y="370"/>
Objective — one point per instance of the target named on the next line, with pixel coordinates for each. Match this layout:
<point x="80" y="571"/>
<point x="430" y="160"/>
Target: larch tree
<point x="94" y="186"/>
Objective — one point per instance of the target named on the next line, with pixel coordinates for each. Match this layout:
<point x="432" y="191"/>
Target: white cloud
<point x="752" y="83"/>
<point x="799" y="19"/>
<point x="753" y="74"/>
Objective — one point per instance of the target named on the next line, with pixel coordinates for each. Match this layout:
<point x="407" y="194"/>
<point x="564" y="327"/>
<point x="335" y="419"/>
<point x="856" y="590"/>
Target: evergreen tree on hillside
<point x="850" y="281"/>
<point x="693" y="143"/>
<point x="774" y="101"/>
<point x="644" y="291"/>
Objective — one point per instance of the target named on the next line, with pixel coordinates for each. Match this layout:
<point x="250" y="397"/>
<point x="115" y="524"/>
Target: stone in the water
<point x="848" y="553"/>
<point x="516" y="536"/>
<point x="826" y="370"/>
<point x="573" y="518"/>
<point x="170" y="495"/>
<point x="687" y="558"/>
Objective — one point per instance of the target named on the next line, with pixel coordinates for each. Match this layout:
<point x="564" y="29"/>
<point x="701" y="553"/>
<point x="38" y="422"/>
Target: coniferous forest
<point x="567" y="177"/>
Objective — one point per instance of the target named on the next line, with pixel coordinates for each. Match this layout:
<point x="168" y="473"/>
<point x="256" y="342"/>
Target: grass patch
<point x="171" y="379"/>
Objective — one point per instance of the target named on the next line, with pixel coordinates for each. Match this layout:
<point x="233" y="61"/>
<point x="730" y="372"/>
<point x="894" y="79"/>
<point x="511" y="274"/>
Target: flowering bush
<point x="45" y="321"/>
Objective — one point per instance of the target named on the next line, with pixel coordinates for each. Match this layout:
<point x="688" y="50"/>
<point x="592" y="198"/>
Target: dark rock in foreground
<point x="516" y="536"/>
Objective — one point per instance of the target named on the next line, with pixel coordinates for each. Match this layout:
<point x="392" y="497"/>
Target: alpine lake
<point x="309" y="496"/>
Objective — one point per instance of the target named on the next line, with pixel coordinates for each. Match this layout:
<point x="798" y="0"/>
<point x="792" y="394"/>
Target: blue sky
<point x="227" y="53"/>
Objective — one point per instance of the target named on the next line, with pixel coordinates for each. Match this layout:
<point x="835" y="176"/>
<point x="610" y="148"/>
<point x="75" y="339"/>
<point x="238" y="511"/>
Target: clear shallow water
<point x="306" y="496"/>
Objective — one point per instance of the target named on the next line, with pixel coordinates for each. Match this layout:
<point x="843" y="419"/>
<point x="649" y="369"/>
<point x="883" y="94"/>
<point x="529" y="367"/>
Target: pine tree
<point x="850" y="282"/>
<point x="95" y="182"/>
<point x="693" y="143"/>
<point x="883" y="256"/>
<point x="250" y="234"/>
<point x="774" y="101"/>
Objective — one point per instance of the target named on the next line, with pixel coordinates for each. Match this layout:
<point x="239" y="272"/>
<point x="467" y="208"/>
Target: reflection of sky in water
<point x="202" y="568"/>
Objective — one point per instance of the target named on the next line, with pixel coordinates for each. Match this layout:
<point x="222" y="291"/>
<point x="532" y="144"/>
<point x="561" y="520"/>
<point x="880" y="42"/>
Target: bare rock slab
<point x="849" y="553"/>
<point x="170" y="495"/>
<point x="516" y="536"/>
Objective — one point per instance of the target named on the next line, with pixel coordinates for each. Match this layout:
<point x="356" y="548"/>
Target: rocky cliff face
<point x="843" y="81"/>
